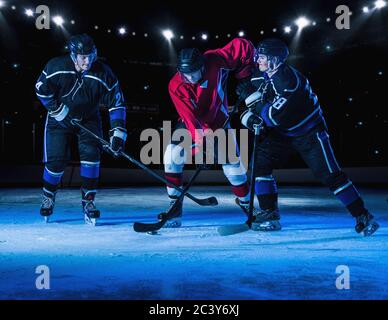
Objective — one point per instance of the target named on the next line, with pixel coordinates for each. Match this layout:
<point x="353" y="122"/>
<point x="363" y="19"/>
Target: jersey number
<point x="118" y="99"/>
<point x="279" y="103"/>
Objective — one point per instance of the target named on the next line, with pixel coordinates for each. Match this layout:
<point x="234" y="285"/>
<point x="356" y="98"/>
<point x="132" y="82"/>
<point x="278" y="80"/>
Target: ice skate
<point x="91" y="213"/>
<point x="366" y="224"/>
<point x="176" y="216"/>
<point x="47" y="207"/>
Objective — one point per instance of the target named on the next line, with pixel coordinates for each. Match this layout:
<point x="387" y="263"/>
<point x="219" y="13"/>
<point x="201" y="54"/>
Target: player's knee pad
<point x="55" y="166"/>
<point x="90" y="169"/>
<point x="174" y="158"/>
<point x="90" y="152"/>
<point x="235" y="173"/>
<point x="263" y="171"/>
<point x="265" y="185"/>
<point x="52" y="175"/>
<point x="336" y="180"/>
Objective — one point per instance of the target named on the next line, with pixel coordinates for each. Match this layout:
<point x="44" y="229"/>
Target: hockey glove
<point x="61" y="114"/>
<point x="117" y="140"/>
<point x="250" y="120"/>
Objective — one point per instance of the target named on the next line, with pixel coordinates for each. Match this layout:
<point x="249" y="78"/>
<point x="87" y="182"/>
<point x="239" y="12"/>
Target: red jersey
<point x="204" y="105"/>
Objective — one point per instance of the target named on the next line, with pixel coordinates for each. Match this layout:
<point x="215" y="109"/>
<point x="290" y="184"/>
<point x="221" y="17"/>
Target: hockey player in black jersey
<point x="74" y="87"/>
<point x="283" y="98"/>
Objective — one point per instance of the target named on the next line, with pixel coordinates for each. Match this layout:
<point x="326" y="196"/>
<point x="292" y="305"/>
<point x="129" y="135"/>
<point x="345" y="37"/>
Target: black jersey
<point x="288" y="102"/>
<point x="83" y="93"/>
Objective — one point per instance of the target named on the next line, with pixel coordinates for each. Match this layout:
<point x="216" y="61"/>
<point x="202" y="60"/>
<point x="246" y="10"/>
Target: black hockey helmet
<point x="82" y="44"/>
<point x="190" y="60"/>
<point x="272" y="47"/>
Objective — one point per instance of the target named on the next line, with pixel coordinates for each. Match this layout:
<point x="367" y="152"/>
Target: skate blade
<point x="154" y="233"/>
<point x="46" y="219"/>
<point x="90" y="221"/>
<point x="371" y="229"/>
<point x="267" y="226"/>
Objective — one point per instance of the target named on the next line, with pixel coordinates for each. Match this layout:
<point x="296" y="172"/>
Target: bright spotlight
<point x="365" y="9"/>
<point x="204" y="36"/>
<point x="29" y="12"/>
<point x="302" y="22"/>
<point x="2" y="4"/>
<point x="168" y="34"/>
<point x="122" y="31"/>
<point x="241" y="33"/>
<point x="287" y="29"/>
<point x="58" y="20"/>
<point x="380" y="4"/>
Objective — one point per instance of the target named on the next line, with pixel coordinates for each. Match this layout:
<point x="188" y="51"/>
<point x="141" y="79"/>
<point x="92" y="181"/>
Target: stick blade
<point x="148" y="227"/>
<point x="232" y="229"/>
<point x="210" y="202"/>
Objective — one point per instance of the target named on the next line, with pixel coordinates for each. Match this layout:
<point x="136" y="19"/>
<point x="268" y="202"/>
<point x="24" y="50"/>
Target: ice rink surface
<point x="111" y="261"/>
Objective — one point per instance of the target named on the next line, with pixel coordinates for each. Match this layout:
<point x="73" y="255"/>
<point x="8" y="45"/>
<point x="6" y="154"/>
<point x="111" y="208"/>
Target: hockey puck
<point x="153" y="233"/>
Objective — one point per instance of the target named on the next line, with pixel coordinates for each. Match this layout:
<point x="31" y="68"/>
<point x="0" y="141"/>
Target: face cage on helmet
<point x="93" y="55"/>
<point x="262" y="51"/>
<point x="257" y="53"/>
<point x="183" y="77"/>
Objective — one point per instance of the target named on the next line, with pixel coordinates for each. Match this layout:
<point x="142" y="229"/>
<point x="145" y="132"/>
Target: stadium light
<point x="58" y="20"/>
<point x="29" y="12"/>
<point x="122" y="31"/>
<point x="302" y="22"/>
<point x="380" y="4"/>
<point x="168" y="34"/>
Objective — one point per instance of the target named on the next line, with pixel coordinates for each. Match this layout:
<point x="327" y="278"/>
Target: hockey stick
<point x="242" y="227"/>
<point x="211" y="201"/>
<point x="164" y="217"/>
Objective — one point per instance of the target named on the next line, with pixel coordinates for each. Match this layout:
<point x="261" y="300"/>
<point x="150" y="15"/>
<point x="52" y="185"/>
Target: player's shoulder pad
<point x="210" y="57"/>
<point x="286" y="80"/>
<point x="104" y="72"/>
<point x="62" y="63"/>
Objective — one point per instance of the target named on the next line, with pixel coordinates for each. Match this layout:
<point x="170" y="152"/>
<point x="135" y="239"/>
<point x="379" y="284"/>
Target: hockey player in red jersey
<point x="198" y="91"/>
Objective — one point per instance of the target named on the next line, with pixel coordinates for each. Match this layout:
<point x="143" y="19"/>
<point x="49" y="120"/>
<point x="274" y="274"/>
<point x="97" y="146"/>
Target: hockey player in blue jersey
<point x="73" y="87"/>
<point x="283" y="98"/>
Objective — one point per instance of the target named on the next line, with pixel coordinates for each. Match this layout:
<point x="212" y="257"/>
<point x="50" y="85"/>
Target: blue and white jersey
<point x="83" y="93"/>
<point x="287" y="101"/>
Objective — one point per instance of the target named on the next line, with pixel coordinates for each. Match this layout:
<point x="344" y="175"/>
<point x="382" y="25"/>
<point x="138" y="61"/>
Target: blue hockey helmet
<point x="272" y="47"/>
<point x="190" y="60"/>
<point x="82" y="44"/>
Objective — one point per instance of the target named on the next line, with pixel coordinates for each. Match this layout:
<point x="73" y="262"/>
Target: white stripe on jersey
<point x="105" y="85"/>
<point x="60" y="72"/>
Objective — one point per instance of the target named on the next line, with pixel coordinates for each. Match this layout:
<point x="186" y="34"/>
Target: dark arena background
<point x="317" y="255"/>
